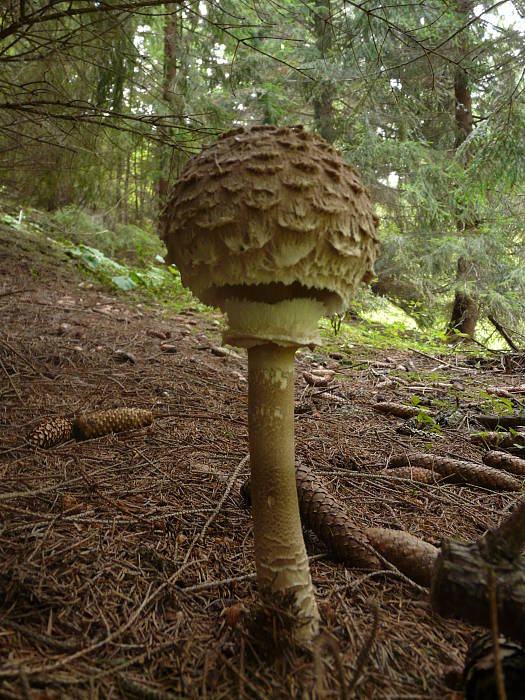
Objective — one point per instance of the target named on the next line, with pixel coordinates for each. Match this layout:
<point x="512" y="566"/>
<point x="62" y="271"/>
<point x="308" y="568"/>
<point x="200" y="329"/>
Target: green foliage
<point x="427" y="422"/>
<point x="121" y="276"/>
<point x="495" y="404"/>
<point x="163" y="284"/>
<point x="383" y="335"/>
<point x="115" y="115"/>
<point x="125" y="242"/>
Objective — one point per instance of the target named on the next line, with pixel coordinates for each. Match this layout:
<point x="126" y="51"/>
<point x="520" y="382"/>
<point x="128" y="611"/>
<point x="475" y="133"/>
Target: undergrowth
<point x="131" y="260"/>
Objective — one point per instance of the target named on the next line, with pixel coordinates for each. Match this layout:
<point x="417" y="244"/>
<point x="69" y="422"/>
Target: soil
<point x="126" y="562"/>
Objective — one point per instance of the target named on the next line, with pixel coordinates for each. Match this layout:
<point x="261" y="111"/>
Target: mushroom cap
<point x="270" y="214"/>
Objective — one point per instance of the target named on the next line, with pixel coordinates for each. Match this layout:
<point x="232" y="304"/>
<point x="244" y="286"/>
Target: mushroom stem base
<point x="280" y="553"/>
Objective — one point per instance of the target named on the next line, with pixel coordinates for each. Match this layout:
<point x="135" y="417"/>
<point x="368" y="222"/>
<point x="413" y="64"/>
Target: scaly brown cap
<point x="271" y="214"/>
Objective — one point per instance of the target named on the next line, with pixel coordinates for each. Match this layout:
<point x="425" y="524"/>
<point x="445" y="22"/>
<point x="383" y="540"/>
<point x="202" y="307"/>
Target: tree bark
<point x="171" y="29"/>
<point x="465" y="309"/>
<point x="124" y="207"/>
<point x="468" y="577"/>
<point x="461" y="588"/>
<point x="118" y="187"/>
<point x="323" y="100"/>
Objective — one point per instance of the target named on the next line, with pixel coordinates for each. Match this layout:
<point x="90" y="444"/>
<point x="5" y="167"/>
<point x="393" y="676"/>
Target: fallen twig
<point x="142" y="691"/>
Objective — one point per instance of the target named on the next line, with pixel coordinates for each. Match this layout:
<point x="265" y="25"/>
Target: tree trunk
<point x="123" y="206"/>
<point x="323" y="100"/>
<point x="465" y="310"/>
<point x="480" y="580"/>
<point x="143" y="169"/>
<point x="136" y="184"/>
<point x="171" y="29"/>
<point x="324" y="113"/>
<point x="118" y="188"/>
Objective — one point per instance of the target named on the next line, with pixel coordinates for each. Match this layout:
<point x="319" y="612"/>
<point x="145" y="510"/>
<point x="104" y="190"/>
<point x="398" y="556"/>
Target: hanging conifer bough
<point x="274" y="227"/>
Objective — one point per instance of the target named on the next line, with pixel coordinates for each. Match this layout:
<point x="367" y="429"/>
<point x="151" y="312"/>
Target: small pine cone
<point x="478" y="675"/>
<point x="420" y="474"/>
<point x="98" y="423"/>
<point x="459" y="471"/>
<point x="51" y="432"/>
<point x="411" y="555"/>
<point x="502" y="460"/>
<point x="399" y="409"/>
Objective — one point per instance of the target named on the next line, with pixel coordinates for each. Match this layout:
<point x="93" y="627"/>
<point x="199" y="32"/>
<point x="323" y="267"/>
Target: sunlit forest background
<point x="102" y="103"/>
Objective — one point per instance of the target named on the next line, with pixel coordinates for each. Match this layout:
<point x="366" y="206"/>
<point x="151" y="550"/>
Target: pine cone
<point x="98" y="423"/>
<point x="399" y="409"/>
<point x="323" y="514"/>
<point x="424" y="476"/>
<point x="478" y="675"/>
<point x="50" y="432"/>
<point x="502" y="460"/>
<point x="411" y="555"/>
<point x="459" y="471"/>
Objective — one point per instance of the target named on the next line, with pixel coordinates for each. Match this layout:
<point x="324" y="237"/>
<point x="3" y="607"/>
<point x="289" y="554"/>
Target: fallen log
<point x="490" y="420"/>
<point x="471" y="578"/>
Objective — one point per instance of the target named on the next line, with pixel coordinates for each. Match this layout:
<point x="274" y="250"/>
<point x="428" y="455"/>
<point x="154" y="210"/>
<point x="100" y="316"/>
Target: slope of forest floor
<point x="126" y="565"/>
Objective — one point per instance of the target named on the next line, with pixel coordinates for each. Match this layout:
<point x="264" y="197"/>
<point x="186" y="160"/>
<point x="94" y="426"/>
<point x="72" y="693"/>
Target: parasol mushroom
<point x="273" y="226"/>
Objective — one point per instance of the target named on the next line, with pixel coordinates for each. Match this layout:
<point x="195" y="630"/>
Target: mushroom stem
<point x="280" y="553"/>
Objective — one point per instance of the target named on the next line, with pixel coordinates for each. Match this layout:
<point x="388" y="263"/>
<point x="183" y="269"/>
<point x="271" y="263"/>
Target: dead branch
<point x="461" y="581"/>
<point x="506" y="390"/>
<point x="495" y="421"/>
<point x="503" y="332"/>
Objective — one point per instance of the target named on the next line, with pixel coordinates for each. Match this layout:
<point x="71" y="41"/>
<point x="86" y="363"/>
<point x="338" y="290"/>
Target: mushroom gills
<point x="272" y="292"/>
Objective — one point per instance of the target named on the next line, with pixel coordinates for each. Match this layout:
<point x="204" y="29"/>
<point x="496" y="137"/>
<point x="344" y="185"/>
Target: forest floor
<point x="126" y="561"/>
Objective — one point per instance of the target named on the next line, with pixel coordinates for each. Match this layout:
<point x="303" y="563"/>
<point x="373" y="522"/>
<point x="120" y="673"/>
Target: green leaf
<point x="124" y="282"/>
